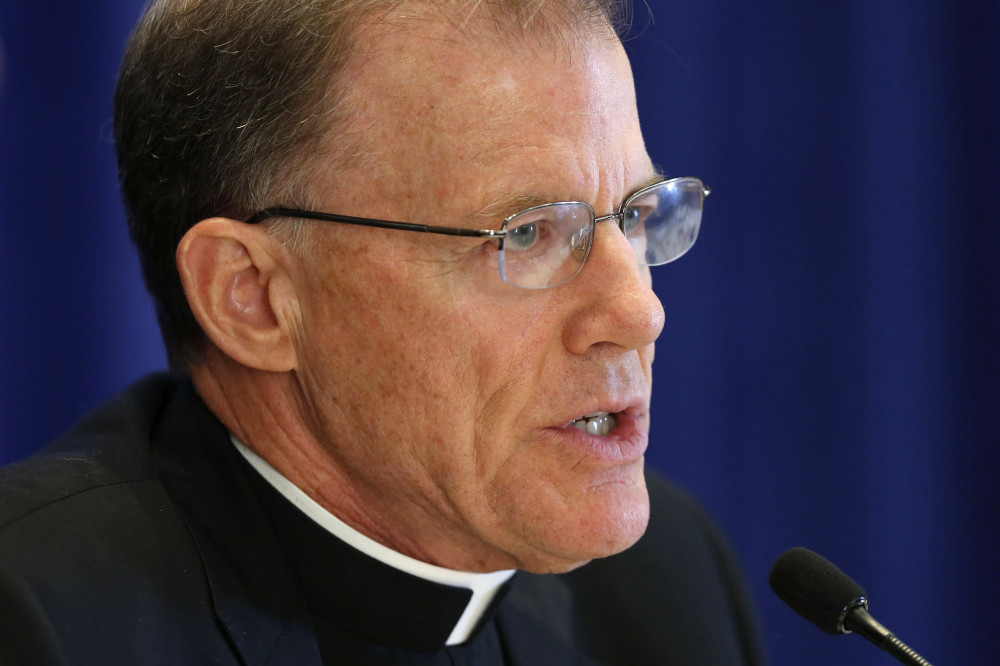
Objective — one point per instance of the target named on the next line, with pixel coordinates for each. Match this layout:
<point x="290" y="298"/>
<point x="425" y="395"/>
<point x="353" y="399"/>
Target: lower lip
<point x="625" y="443"/>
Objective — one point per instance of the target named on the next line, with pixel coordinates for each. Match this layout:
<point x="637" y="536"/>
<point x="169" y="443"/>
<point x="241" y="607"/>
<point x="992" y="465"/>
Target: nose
<point x="617" y="302"/>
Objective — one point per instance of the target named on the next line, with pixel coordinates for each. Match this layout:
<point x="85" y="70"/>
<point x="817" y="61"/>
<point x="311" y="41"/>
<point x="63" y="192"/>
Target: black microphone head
<point x="815" y="589"/>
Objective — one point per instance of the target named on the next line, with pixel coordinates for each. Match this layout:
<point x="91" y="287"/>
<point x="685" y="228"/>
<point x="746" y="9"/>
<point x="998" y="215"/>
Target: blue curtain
<point x="830" y="371"/>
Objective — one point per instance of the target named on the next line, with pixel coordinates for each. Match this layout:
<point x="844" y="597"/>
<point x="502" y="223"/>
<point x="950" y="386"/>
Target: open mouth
<point x="598" y="423"/>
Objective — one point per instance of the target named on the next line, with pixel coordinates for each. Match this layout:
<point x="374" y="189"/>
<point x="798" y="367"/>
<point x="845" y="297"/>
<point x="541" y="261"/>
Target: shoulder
<point x="92" y="546"/>
<point x="107" y="448"/>
<point x="93" y="486"/>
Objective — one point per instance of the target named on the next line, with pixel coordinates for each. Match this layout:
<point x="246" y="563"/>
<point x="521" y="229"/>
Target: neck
<point x="271" y="413"/>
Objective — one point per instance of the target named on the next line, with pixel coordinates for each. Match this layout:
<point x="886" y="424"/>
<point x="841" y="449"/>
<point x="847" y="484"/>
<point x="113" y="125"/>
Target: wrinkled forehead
<point x="445" y="42"/>
<point x="438" y="102"/>
<point x="505" y="22"/>
<point x="414" y="37"/>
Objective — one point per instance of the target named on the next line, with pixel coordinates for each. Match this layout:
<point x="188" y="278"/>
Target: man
<point x="378" y="418"/>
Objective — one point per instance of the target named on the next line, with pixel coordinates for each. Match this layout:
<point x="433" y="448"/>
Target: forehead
<point x="451" y="111"/>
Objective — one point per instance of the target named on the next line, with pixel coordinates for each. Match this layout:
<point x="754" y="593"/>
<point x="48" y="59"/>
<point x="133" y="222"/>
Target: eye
<point x="634" y="218"/>
<point x="631" y="219"/>
<point x="524" y="236"/>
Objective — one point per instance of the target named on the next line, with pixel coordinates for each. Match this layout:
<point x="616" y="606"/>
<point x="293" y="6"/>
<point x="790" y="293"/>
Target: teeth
<point x="598" y="423"/>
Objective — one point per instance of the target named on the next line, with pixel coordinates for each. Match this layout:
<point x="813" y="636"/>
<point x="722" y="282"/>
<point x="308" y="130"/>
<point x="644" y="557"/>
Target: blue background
<point x="830" y="371"/>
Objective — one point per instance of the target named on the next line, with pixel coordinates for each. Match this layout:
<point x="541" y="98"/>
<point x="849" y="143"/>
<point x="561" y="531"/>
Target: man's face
<point x="444" y="397"/>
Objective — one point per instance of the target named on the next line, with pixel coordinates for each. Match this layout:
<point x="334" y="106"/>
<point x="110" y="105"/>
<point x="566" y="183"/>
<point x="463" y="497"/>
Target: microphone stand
<point x="860" y="621"/>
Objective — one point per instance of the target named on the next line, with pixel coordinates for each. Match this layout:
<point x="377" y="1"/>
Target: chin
<point x="610" y="521"/>
<point x="622" y="525"/>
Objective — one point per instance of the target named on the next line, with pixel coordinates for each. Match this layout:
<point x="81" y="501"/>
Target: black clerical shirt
<point x="142" y="536"/>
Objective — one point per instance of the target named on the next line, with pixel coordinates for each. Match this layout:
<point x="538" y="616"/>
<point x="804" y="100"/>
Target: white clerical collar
<point x="484" y="586"/>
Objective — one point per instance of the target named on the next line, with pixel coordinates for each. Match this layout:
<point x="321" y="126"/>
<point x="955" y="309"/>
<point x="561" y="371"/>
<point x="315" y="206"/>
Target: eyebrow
<point x="509" y="205"/>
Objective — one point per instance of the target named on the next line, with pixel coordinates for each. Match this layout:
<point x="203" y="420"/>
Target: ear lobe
<point x="233" y="282"/>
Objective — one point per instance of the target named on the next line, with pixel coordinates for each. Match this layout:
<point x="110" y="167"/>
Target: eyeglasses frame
<point x="274" y="212"/>
<point x="493" y="234"/>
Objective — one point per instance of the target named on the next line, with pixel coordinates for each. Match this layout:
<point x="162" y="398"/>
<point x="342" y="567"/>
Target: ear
<point x="239" y="291"/>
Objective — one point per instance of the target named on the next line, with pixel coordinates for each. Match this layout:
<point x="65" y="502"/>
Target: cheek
<point x="425" y="359"/>
<point x="485" y="388"/>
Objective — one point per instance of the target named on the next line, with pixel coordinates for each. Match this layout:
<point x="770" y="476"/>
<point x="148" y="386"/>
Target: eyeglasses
<point x="547" y="245"/>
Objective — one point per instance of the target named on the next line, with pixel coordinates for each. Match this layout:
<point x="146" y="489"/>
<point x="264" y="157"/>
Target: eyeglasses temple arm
<point x="269" y="213"/>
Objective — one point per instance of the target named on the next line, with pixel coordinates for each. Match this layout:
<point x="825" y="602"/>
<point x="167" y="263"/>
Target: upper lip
<point x="634" y="405"/>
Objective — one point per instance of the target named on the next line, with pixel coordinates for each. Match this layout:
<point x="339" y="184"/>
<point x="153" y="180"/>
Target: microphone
<point x="826" y="596"/>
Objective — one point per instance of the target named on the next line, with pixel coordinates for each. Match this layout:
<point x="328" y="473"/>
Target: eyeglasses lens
<point x="547" y="245"/>
<point x="662" y="221"/>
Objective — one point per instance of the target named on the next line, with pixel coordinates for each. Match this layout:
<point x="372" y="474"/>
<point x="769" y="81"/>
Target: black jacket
<point x="142" y="537"/>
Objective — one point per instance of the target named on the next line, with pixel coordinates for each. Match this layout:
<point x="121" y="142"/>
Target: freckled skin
<point x="434" y="393"/>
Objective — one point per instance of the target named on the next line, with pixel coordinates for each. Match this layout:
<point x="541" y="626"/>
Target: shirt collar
<point x="483" y="586"/>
